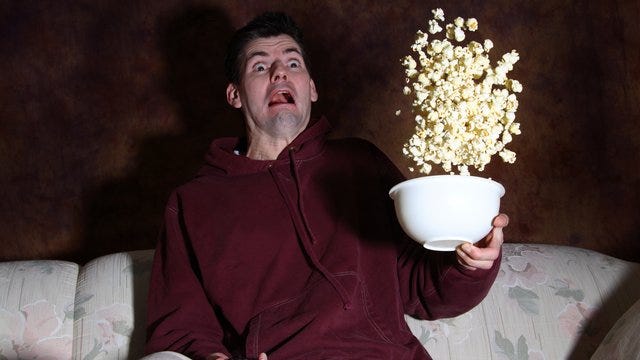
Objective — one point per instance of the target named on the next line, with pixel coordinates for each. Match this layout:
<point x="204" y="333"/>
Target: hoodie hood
<point x="221" y="159"/>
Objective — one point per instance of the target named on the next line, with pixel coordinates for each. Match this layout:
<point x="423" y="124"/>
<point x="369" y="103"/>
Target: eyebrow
<point x="257" y="53"/>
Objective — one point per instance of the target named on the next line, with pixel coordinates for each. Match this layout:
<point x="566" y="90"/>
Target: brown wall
<point x="105" y="106"/>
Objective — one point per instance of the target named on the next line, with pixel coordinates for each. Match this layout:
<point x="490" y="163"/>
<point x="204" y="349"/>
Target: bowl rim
<point x="450" y="177"/>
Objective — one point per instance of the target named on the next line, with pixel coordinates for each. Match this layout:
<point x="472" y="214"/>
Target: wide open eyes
<point x="261" y="67"/>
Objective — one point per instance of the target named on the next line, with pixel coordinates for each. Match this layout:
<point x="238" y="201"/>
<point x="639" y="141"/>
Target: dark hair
<point x="269" y="24"/>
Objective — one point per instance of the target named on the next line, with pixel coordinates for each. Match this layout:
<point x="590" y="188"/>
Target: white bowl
<point x="444" y="211"/>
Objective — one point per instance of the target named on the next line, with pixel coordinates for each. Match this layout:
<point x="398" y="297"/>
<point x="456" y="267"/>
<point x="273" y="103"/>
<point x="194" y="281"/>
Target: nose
<point x="278" y="71"/>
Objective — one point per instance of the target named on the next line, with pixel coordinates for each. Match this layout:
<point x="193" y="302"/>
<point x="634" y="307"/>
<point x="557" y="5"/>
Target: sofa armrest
<point x="110" y="311"/>
<point x="622" y="340"/>
<point x="36" y="308"/>
<point x="548" y="301"/>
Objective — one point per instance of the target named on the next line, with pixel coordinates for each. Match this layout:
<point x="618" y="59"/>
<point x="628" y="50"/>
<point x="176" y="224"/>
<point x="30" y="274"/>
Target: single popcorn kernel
<point x="438" y="14"/>
<point x="488" y="45"/>
<point x="472" y="24"/>
<point x="434" y="27"/>
<point x="464" y="107"/>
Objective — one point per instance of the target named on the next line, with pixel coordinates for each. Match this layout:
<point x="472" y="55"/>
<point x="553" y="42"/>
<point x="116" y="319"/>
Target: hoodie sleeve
<point x="433" y="285"/>
<point x="179" y="315"/>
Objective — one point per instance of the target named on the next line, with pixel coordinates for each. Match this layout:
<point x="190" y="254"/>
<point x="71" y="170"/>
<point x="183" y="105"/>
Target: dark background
<point x="105" y="106"/>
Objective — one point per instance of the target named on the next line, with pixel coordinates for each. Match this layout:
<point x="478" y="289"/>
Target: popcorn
<point x="438" y="14"/>
<point x="488" y="45"/>
<point x="434" y="27"/>
<point x="464" y="108"/>
<point x="472" y="24"/>
<point x="458" y="34"/>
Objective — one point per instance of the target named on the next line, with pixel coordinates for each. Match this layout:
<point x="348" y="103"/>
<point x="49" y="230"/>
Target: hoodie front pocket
<point x="316" y="325"/>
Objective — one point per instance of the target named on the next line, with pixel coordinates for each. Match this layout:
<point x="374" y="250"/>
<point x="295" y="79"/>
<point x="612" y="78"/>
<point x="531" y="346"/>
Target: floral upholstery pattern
<point x="548" y="302"/>
<point x="36" y="309"/>
<point x="542" y="306"/>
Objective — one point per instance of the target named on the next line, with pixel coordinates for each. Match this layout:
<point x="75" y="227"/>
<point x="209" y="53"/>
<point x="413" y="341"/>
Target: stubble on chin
<point x="287" y="124"/>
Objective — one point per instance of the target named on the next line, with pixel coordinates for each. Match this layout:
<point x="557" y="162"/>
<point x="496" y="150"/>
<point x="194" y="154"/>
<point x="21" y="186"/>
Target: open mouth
<point x="281" y="97"/>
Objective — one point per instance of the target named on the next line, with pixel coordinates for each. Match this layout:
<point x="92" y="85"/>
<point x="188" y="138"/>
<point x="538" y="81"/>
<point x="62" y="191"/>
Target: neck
<point x="267" y="144"/>
<point x="261" y="148"/>
<point x="265" y="152"/>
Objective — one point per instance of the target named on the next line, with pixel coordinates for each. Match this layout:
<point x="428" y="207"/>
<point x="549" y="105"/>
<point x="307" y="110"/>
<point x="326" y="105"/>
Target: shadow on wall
<point x="126" y="214"/>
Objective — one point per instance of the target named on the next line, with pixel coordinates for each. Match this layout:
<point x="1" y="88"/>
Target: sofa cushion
<point x="622" y="340"/>
<point x="36" y="308"/>
<point x="109" y="289"/>
<point x="542" y="305"/>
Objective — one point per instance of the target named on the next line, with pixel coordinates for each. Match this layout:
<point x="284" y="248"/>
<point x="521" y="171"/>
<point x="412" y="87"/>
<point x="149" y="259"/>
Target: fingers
<point x="473" y="257"/>
<point x="502" y="220"/>
<point x="262" y="356"/>
<point x="496" y="236"/>
<point x="485" y="252"/>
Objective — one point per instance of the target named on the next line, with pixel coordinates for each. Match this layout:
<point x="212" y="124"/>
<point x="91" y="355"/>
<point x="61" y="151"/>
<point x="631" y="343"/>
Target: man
<point x="286" y="244"/>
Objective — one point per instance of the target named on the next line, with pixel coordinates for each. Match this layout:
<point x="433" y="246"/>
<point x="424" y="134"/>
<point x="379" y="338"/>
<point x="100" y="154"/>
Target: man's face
<point x="275" y="91"/>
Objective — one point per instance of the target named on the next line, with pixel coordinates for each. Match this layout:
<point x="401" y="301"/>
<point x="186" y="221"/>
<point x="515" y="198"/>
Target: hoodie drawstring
<point x="301" y="225"/>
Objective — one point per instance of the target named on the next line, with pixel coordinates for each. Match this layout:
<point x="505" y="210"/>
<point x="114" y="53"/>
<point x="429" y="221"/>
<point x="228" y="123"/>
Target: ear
<point x="233" y="96"/>
<point x="313" y="91"/>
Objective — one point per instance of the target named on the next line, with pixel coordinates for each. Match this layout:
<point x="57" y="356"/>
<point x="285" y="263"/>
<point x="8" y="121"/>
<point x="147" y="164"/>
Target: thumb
<point x="262" y="356"/>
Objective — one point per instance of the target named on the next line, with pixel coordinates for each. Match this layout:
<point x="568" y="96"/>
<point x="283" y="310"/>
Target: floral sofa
<point x="548" y="302"/>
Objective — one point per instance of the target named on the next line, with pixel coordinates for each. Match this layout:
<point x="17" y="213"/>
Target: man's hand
<point x="221" y="356"/>
<point x="482" y="254"/>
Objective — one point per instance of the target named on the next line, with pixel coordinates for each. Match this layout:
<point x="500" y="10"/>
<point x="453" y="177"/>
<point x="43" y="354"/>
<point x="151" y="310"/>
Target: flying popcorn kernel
<point x="434" y="27"/>
<point x="458" y="34"/>
<point x="472" y="24"/>
<point x="438" y="14"/>
<point x="488" y="45"/>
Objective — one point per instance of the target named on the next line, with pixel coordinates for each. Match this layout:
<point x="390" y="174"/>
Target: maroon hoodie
<point x="300" y="257"/>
